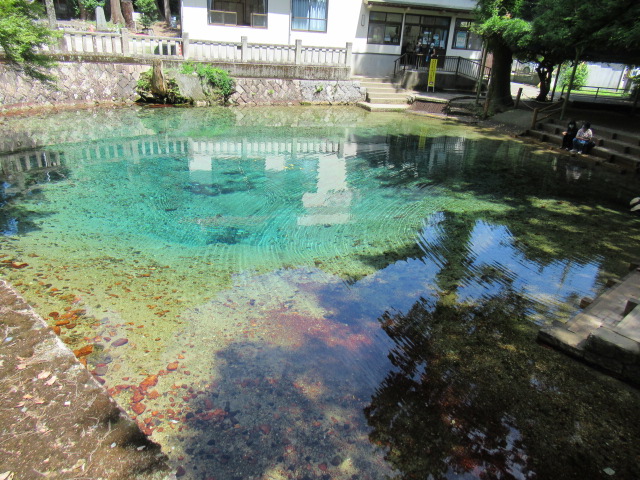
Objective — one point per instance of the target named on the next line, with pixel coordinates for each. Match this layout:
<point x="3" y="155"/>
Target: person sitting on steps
<point x="569" y="135"/>
<point x="583" y="141"/>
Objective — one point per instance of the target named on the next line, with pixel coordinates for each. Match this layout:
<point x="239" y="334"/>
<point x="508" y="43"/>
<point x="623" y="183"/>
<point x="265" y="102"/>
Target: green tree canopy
<point x="554" y="31"/>
<point x="21" y="36"/>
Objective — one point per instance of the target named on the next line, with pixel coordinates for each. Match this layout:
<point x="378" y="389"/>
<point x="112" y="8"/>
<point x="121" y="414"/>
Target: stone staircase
<point x="619" y="148"/>
<point x="383" y="94"/>
<point x="607" y="332"/>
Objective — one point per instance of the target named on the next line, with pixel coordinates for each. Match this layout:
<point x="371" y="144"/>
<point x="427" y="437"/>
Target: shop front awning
<point x="459" y="6"/>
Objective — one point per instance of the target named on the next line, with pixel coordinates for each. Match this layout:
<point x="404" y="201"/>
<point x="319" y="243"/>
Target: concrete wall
<point x="341" y="25"/>
<point x="263" y="91"/>
<point x="608" y="75"/>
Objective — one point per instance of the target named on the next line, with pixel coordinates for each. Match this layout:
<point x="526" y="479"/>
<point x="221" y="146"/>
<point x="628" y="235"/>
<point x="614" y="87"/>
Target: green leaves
<point x="218" y="78"/>
<point x="22" y="35"/>
<point x="149" y="11"/>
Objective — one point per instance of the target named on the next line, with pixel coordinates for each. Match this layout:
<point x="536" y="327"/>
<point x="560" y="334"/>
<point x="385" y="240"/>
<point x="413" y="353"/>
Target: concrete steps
<point x="607" y="332"/>
<point x="621" y="149"/>
<point x="382" y="91"/>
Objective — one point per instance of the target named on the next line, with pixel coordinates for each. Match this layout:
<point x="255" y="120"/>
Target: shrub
<point x="580" y="79"/>
<point x="148" y="10"/>
<point x="219" y="79"/>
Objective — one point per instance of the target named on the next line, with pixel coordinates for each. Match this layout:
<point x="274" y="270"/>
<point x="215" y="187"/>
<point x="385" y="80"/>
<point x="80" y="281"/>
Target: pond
<point x="325" y="292"/>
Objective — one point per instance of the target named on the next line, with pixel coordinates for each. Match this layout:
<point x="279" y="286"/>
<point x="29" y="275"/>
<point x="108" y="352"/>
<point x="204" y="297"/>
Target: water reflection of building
<point x="413" y="155"/>
<point x="328" y="203"/>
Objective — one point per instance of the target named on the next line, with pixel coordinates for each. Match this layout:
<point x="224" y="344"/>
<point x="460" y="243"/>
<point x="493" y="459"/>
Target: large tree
<point x="116" y="13"/>
<point x="550" y="32"/>
<point x="503" y="25"/>
<point x="579" y="30"/>
<point x="22" y="36"/>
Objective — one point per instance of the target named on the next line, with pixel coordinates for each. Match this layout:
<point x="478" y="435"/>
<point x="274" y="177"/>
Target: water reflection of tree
<point x="547" y="214"/>
<point x="438" y="413"/>
<point x="473" y="396"/>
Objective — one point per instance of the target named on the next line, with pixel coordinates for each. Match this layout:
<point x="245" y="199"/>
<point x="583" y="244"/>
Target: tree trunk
<point x="83" y="11"/>
<point x="158" y="83"/>
<point x="579" y="51"/>
<point x="51" y="13"/>
<point x="116" y="12"/>
<point x="167" y="12"/>
<point x="500" y="85"/>
<point x="160" y="9"/>
<point x="127" y="13"/>
<point x="544" y="74"/>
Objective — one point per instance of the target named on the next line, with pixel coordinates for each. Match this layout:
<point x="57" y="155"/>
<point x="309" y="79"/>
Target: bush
<point x="580" y="79"/>
<point x="22" y="36"/>
<point x="148" y="10"/>
<point x="219" y="79"/>
<point x="90" y="6"/>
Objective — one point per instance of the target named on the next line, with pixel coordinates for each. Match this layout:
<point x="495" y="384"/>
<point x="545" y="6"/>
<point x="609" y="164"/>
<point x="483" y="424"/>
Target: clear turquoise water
<point x="324" y="293"/>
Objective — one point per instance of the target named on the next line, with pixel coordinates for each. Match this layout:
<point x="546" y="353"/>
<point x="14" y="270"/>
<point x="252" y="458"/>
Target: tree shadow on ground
<point x="283" y="413"/>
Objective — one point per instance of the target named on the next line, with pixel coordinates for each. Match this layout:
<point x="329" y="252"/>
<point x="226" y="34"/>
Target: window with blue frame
<point x="309" y="15"/>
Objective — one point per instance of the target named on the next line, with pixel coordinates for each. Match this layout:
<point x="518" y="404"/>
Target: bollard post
<point x="298" y="59"/>
<point x="518" y="97"/>
<point x="349" y="55"/>
<point x="535" y="118"/>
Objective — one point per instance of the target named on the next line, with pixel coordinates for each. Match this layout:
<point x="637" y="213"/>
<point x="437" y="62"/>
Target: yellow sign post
<point x="431" y="81"/>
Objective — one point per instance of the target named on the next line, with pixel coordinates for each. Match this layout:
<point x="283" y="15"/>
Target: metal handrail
<point x="589" y="91"/>
<point x="458" y="65"/>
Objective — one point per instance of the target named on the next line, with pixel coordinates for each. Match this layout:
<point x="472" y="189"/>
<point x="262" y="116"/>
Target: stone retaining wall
<point x="78" y="84"/>
<point x="107" y="82"/>
<point x="269" y="91"/>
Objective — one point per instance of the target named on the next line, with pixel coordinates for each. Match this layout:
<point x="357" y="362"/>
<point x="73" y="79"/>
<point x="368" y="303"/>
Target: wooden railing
<point x="126" y="44"/>
<point x="550" y="111"/>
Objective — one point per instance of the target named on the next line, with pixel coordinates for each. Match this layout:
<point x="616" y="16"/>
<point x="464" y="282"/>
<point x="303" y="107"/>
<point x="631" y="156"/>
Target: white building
<point x="379" y="30"/>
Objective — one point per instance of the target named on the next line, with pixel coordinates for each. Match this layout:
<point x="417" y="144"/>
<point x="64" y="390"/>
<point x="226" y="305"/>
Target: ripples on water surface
<point x="324" y="293"/>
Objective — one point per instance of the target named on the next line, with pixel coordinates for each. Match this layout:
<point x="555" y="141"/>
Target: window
<point x="309" y="15"/>
<point x="425" y="30"/>
<point x="384" y="28"/>
<point x="464" y="38"/>
<point x="250" y="13"/>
